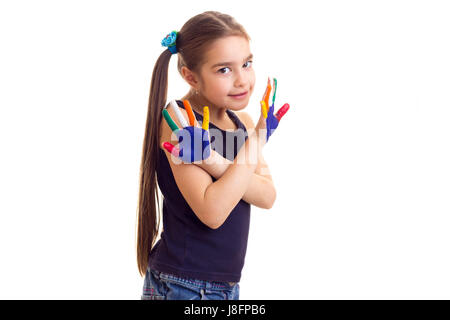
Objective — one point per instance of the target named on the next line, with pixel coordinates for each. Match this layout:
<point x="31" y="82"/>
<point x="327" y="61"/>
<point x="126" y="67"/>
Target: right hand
<point x="194" y="143"/>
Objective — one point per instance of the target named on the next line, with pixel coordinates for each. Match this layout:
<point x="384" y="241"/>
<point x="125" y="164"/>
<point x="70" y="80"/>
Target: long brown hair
<point x="192" y="42"/>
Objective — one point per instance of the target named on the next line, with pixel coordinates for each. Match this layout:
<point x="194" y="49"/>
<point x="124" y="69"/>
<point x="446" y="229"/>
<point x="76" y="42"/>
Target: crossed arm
<point x="251" y="182"/>
<point x="261" y="190"/>
<point x="212" y="201"/>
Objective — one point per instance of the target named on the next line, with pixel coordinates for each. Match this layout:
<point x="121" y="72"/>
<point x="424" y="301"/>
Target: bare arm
<point x="260" y="192"/>
<point x="234" y="183"/>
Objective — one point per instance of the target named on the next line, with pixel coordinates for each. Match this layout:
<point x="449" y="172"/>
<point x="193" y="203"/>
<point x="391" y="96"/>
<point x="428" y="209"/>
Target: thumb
<point x="282" y="111"/>
<point x="171" y="148"/>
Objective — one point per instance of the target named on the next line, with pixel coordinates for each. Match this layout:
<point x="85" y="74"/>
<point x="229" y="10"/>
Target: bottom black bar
<point x="216" y="309"/>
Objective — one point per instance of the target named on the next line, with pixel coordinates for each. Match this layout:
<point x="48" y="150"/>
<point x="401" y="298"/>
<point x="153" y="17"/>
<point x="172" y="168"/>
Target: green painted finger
<point x="274" y="91"/>
<point x="169" y="120"/>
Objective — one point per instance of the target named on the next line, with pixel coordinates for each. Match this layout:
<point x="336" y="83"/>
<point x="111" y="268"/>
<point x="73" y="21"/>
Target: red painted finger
<point x="282" y="111"/>
<point x="171" y="148"/>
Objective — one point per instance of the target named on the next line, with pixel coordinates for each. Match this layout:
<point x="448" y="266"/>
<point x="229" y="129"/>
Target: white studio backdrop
<point x="360" y="161"/>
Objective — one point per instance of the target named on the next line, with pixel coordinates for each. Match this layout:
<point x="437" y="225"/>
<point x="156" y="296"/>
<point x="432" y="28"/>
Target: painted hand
<point x="272" y="120"/>
<point x="193" y="141"/>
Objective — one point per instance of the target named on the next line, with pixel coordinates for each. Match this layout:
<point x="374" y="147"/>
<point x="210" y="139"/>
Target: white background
<point x="360" y="161"/>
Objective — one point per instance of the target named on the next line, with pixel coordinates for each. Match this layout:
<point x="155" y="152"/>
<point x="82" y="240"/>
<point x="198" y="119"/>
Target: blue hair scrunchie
<point x="170" y="41"/>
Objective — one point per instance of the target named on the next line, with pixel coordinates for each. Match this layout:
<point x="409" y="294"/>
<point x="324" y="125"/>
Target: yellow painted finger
<point x="264" y="109"/>
<point x="191" y="115"/>
<point x="205" y="124"/>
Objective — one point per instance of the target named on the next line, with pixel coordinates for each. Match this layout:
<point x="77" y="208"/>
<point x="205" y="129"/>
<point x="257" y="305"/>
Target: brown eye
<point x="223" y="69"/>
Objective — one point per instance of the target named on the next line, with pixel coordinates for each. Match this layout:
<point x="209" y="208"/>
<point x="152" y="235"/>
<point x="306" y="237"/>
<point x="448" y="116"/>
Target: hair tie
<point x="170" y="41"/>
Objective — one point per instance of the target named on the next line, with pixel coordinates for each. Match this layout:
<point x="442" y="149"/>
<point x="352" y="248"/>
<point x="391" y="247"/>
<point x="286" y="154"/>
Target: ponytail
<point x="148" y="214"/>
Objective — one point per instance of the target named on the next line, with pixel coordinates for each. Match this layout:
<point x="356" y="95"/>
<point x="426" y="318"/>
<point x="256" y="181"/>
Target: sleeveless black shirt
<point x="188" y="248"/>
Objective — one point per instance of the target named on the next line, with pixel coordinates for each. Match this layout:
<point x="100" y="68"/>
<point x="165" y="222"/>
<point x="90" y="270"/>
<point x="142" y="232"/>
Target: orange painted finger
<point x="189" y="111"/>
<point x="267" y="93"/>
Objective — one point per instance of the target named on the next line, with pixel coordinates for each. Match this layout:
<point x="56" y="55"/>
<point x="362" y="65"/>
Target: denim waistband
<point x="201" y="284"/>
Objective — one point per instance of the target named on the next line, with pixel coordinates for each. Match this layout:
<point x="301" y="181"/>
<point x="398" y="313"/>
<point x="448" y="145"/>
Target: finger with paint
<point x="205" y="124"/>
<point x="267" y="93"/>
<point x="264" y="109"/>
<point x="172" y="149"/>
<point x="274" y="90"/>
<point x="282" y="111"/>
<point x="169" y="120"/>
<point x="191" y="114"/>
<point x="178" y="113"/>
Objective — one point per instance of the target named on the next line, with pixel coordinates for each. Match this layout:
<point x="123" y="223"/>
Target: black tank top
<point x="188" y="248"/>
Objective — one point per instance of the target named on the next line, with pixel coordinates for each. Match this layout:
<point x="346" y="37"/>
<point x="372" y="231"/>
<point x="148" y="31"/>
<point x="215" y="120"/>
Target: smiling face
<point x="227" y="72"/>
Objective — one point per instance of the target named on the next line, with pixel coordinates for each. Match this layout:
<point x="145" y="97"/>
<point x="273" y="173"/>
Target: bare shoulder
<point x="246" y="119"/>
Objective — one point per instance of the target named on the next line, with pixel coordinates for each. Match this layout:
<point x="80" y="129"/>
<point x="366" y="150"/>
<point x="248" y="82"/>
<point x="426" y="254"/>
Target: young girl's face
<point x="228" y="71"/>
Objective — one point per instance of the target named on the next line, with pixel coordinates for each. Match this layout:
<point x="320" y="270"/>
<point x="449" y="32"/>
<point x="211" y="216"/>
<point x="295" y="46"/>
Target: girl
<point x="206" y="205"/>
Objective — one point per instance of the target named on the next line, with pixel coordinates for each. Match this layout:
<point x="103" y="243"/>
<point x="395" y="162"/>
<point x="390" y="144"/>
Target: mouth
<point x="242" y="94"/>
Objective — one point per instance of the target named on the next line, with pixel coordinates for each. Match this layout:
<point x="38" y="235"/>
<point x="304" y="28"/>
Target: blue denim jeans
<point x="163" y="286"/>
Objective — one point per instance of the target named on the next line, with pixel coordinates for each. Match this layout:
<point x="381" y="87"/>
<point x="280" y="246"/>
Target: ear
<point x="190" y="77"/>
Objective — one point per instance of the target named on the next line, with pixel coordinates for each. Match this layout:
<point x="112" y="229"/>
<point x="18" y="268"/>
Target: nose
<point x="240" y="79"/>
